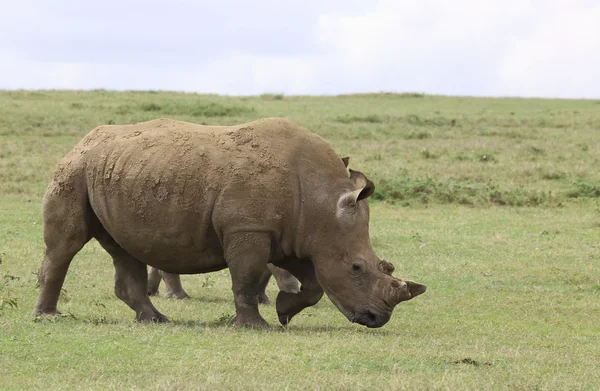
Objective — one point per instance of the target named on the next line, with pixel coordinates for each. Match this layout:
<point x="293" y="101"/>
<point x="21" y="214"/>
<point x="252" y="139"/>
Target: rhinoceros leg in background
<point x="285" y="281"/>
<point x="289" y="304"/>
<point x="131" y="280"/>
<point x="172" y="284"/>
<point x="154" y="279"/>
<point x="262" y="286"/>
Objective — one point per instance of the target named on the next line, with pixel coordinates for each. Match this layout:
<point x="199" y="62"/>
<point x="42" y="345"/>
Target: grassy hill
<point x="493" y="203"/>
<point x="418" y="148"/>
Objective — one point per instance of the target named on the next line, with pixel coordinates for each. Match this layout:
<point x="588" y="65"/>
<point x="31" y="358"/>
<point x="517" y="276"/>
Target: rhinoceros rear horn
<point x="363" y="183"/>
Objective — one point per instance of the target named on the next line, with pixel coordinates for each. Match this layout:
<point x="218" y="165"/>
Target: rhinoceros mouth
<point x="365" y="317"/>
<point x="370" y="318"/>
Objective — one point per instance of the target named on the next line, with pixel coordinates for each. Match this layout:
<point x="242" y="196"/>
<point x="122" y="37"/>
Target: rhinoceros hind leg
<point x="153" y="281"/>
<point x="131" y="281"/>
<point x="67" y="218"/>
<point x="285" y="280"/>
<point x="173" y="285"/>
<point x="262" y="288"/>
<point x="246" y="255"/>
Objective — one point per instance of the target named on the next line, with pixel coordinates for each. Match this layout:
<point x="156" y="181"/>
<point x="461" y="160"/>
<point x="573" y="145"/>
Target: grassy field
<point x="493" y="203"/>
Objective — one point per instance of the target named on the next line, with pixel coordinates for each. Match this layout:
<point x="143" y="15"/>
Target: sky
<point x="536" y="48"/>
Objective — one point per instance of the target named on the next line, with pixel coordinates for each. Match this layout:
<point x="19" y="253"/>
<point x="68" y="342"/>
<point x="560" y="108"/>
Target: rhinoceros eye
<point x="357" y="267"/>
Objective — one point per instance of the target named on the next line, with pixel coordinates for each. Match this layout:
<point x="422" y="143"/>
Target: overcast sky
<point x="546" y="48"/>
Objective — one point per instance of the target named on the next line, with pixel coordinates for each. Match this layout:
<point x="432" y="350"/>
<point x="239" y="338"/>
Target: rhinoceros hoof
<point x="178" y="295"/>
<point x="46" y="312"/>
<point x="252" y="323"/>
<point x="152" y="318"/>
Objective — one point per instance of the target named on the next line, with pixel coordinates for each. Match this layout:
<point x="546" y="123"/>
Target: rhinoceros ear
<point x="364" y="189"/>
<point x="346" y="160"/>
<point x="363" y="183"/>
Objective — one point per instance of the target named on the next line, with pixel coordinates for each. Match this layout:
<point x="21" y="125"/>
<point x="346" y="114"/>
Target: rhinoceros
<point x="285" y="281"/>
<point x="186" y="199"/>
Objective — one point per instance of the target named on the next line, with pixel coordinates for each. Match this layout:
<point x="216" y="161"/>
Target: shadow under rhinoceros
<point x="202" y="299"/>
<point x="309" y="330"/>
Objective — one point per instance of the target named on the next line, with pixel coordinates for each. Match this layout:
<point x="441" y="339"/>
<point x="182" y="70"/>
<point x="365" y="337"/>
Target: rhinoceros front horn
<point x="406" y="290"/>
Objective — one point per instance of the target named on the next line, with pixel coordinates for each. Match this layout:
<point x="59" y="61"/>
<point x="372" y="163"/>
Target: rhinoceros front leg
<point x="246" y="255"/>
<point x="289" y="304"/>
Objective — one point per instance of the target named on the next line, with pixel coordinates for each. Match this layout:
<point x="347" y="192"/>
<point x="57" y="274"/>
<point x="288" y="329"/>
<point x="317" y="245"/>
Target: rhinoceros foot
<point x="46" y="312"/>
<point x="251" y="322"/>
<point x="152" y="317"/>
<point x="177" y="295"/>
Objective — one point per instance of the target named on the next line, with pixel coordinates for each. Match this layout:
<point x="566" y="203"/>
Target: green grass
<point x="493" y="203"/>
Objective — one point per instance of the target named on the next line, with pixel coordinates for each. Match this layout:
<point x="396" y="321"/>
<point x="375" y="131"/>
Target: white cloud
<point x="512" y="47"/>
<point x="560" y="57"/>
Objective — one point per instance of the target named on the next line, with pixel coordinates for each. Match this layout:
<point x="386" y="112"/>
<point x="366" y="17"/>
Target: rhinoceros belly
<point x="156" y="203"/>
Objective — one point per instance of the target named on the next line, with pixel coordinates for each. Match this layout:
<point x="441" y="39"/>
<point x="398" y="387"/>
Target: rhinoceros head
<point x="359" y="283"/>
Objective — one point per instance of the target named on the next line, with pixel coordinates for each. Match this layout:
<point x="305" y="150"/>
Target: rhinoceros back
<point x="167" y="189"/>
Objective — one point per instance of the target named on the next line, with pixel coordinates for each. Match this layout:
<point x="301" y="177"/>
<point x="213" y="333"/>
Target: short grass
<point x="493" y="203"/>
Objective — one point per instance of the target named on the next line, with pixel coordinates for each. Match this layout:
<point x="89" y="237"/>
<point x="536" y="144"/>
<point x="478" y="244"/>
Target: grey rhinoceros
<point x="285" y="281"/>
<point x="186" y="199"/>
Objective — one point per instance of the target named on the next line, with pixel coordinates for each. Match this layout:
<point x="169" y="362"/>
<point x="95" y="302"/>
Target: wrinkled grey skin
<point x="174" y="289"/>
<point x="187" y="199"/>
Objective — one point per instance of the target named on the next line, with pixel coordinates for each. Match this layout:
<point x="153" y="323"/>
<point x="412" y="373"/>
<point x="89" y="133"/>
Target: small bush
<point x="421" y="135"/>
<point x="123" y="110"/>
<point x="485" y="157"/>
<point x="461" y="157"/>
<point x="537" y="151"/>
<point x="584" y="189"/>
<point x="272" y="96"/>
<point x="416" y="120"/>
<point x="150" y="107"/>
<point x="411" y="95"/>
<point x="8" y="302"/>
<point x="210" y="109"/>
<point x="427" y="154"/>
<point x="553" y="176"/>
<point x="450" y="191"/>
<point x="353" y="119"/>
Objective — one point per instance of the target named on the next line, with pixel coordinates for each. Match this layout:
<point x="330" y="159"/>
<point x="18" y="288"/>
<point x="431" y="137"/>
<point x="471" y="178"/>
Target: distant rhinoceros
<point x="186" y="199"/>
<point x="285" y="281"/>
